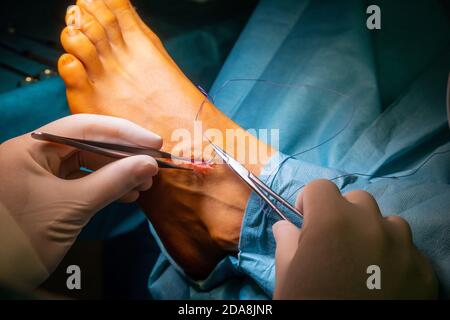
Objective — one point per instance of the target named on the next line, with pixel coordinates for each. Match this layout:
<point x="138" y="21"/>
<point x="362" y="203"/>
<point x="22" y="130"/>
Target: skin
<point x="341" y="236"/>
<point x="115" y="65"/>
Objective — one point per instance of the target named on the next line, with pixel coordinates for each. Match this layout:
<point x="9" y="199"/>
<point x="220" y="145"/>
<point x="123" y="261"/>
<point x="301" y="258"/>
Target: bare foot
<point x="117" y="66"/>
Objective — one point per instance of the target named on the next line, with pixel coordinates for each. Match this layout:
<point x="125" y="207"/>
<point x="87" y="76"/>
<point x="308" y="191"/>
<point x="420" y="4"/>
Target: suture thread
<point x="327" y="140"/>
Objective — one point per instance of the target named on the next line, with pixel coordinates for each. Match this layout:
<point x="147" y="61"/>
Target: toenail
<point x="66" y="60"/>
<point x="73" y="16"/>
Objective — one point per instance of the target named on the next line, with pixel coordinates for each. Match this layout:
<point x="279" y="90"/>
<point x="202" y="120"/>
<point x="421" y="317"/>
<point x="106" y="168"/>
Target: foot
<point x="117" y="66"/>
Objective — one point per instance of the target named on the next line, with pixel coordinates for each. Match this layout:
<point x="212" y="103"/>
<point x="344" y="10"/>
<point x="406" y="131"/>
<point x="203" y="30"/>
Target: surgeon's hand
<point x="342" y="235"/>
<point x="50" y="199"/>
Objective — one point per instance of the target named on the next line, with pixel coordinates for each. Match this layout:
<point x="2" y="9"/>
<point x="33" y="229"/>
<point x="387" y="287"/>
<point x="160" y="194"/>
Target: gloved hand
<point x="50" y="199"/>
<point x="342" y="235"/>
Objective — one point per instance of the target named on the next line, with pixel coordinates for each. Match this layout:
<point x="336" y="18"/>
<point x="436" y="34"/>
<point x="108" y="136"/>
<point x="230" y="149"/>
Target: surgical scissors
<point x="112" y="150"/>
<point x="259" y="187"/>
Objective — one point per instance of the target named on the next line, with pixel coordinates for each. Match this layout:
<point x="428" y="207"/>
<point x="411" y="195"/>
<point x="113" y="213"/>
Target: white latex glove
<point x="43" y="192"/>
<point x="341" y="236"/>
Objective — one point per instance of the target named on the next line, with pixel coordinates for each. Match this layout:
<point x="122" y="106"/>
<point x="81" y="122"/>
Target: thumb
<point x="115" y="180"/>
<point x="286" y="237"/>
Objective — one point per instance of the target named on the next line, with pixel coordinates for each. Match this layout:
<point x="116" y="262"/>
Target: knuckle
<point x="322" y="199"/>
<point x="364" y="198"/>
<point x="360" y="194"/>
<point x="402" y="226"/>
<point x="320" y="184"/>
<point x="109" y="20"/>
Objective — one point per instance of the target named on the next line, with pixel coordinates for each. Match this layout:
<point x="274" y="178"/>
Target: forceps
<point x="259" y="187"/>
<point x="111" y="149"/>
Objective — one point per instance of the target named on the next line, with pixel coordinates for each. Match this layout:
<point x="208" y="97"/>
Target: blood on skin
<point x="201" y="167"/>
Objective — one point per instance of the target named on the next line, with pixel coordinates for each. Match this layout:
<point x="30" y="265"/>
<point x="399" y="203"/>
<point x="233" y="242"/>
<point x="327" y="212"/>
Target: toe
<point x="124" y="13"/>
<point x="76" y="43"/>
<point x="94" y="31"/>
<point x="72" y="72"/>
<point x="106" y="19"/>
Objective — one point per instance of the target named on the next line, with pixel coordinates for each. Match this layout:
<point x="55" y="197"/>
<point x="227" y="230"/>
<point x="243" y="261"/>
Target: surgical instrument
<point x="112" y="150"/>
<point x="259" y="187"/>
